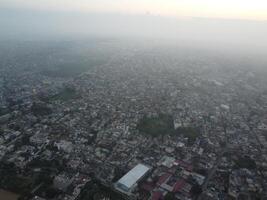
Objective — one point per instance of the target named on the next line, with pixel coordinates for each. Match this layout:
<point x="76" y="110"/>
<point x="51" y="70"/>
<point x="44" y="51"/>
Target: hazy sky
<point x="234" y="9"/>
<point x="225" y="23"/>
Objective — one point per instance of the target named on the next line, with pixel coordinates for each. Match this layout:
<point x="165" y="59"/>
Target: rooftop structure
<point x="129" y="180"/>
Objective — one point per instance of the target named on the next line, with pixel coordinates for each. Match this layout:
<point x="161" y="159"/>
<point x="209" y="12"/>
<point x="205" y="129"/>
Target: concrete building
<point x="129" y="181"/>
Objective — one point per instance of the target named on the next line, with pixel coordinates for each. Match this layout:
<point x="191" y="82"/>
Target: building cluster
<point x="58" y="134"/>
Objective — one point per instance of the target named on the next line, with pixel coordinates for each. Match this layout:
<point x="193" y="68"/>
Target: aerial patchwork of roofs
<point x="130" y="121"/>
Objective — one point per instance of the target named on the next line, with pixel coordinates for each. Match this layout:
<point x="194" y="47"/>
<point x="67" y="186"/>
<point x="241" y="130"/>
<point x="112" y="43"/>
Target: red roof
<point x="189" y="168"/>
<point x="157" y="196"/>
<point x="183" y="164"/>
<point x="163" y="178"/>
<point x="148" y="186"/>
<point x="172" y="169"/>
<point x="178" y="185"/>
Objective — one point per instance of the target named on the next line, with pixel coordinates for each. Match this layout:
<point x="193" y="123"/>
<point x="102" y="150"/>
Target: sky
<point x="230" y="9"/>
<point x="218" y="23"/>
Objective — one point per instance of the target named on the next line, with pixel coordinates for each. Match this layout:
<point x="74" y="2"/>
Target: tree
<point x="169" y="196"/>
<point x="196" y="190"/>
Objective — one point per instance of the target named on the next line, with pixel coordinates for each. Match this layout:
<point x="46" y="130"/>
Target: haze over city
<point x="242" y="23"/>
<point x="133" y="100"/>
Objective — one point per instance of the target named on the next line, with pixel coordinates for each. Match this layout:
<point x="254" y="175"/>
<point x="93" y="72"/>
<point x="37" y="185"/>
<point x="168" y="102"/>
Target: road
<point x="211" y="174"/>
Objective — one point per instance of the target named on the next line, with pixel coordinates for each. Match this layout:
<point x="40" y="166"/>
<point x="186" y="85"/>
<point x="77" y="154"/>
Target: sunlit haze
<point x="236" y="9"/>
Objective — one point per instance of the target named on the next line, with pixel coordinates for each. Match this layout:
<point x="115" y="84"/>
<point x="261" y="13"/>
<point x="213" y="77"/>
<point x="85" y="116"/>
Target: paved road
<point x="211" y="174"/>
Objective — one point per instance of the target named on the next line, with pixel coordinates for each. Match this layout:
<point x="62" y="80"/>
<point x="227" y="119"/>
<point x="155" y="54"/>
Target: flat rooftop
<point x="129" y="179"/>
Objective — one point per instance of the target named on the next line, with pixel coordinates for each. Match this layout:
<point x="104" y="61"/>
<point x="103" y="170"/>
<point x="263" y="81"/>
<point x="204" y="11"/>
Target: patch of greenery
<point x="163" y="125"/>
<point x="190" y="132"/>
<point x="94" y="190"/>
<point x="12" y="181"/>
<point x="40" y="109"/>
<point x="156" y="126"/>
<point x="245" y="162"/>
<point x="71" y="69"/>
<point x="3" y="111"/>
<point x="65" y="95"/>
<point x="170" y="196"/>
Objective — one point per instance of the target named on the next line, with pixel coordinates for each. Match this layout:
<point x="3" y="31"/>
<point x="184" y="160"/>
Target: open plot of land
<point x="163" y="125"/>
<point x="155" y="126"/>
<point x="5" y="195"/>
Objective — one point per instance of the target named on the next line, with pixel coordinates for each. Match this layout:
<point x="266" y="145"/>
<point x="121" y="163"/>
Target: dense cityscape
<point x="110" y="120"/>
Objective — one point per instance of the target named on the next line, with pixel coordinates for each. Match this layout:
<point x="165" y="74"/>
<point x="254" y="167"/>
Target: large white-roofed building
<point x="129" y="181"/>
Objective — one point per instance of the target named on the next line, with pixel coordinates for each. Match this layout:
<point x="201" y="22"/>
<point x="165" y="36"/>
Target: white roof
<point x="129" y="179"/>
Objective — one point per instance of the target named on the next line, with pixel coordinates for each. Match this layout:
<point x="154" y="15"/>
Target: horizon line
<point x="137" y="14"/>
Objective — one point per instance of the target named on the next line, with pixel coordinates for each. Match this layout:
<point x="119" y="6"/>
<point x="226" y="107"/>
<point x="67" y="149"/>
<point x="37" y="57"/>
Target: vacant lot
<point x="5" y="195"/>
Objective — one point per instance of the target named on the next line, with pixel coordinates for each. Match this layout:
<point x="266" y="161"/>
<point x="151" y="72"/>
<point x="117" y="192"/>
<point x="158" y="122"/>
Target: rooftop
<point x="129" y="179"/>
